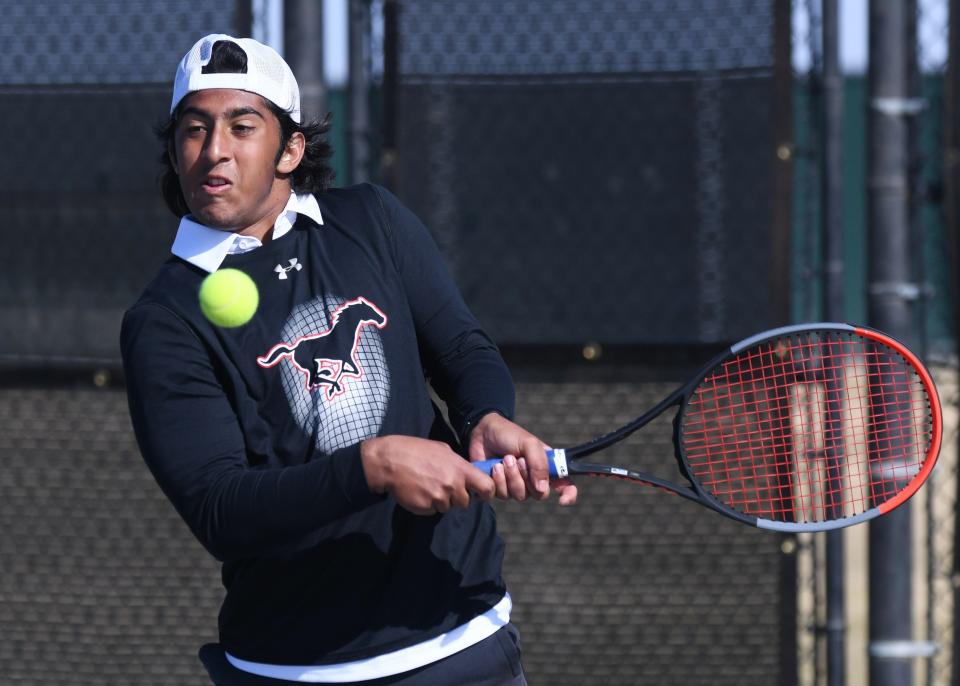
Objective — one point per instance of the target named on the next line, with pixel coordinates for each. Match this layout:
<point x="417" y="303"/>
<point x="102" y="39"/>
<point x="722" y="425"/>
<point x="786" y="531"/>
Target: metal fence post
<point x="891" y="292"/>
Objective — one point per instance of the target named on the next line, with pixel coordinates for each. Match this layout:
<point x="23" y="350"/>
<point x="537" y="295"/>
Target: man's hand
<point x="524" y="469"/>
<point x="424" y="476"/>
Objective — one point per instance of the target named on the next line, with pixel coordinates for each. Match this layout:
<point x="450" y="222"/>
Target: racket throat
<point x="601" y="442"/>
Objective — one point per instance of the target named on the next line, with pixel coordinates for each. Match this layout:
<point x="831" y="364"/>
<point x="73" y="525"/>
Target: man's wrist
<point x="474" y="421"/>
<point x="376" y="468"/>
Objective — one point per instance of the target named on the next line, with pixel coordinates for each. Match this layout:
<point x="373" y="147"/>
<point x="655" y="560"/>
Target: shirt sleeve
<point x="464" y="365"/>
<point x="191" y="440"/>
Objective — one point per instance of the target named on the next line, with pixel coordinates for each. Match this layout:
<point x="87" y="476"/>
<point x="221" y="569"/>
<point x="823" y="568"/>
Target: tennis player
<point x="303" y="449"/>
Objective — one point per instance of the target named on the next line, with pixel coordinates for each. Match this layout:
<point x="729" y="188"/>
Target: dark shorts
<point x="494" y="661"/>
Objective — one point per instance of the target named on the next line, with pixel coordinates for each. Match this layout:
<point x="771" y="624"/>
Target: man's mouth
<point x="215" y="184"/>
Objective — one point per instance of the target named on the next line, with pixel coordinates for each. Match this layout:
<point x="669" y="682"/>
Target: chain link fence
<point x="602" y="172"/>
<point x="103" y="584"/>
<point x="505" y="125"/>
<point x="81" y="87"/>
<point x="620" y="156"/>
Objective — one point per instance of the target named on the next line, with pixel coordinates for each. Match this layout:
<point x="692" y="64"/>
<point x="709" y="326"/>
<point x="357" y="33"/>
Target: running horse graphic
<point x="327" y="358"/>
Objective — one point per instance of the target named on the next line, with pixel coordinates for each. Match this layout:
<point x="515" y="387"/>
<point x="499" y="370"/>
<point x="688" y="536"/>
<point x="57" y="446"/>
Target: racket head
<point x="810" y="427"/>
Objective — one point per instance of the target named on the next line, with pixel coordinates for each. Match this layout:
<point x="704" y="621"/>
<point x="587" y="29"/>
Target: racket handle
<point x="556" y="463"/>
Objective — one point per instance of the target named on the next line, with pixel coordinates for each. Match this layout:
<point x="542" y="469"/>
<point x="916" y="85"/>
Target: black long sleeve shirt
<point x="253" y="433"/>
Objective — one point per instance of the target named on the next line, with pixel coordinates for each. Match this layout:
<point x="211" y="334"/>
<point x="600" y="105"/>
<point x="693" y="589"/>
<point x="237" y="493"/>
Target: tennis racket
<point x="801" y="428"/>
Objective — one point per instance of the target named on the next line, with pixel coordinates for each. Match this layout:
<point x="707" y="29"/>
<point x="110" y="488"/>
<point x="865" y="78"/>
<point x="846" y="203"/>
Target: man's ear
<point x="292" y="153"/>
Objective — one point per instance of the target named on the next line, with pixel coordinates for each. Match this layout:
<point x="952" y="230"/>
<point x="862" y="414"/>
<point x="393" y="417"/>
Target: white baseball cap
<point x="267" y="74"/>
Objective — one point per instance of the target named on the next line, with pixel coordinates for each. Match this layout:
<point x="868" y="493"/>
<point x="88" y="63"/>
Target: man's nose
<point x="217" y="147"/>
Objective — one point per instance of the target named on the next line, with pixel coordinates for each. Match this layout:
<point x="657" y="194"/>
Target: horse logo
<point x="328" y="358"/>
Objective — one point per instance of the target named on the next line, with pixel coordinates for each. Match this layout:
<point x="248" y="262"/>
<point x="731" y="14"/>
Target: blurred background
<point x="621" y="188"/>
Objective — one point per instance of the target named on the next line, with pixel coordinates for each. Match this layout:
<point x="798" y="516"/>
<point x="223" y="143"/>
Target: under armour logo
<point x="282" y="271"/>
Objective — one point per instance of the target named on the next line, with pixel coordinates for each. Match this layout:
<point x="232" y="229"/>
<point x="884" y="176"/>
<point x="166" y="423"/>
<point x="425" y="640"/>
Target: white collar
<point x="206" y="247"/>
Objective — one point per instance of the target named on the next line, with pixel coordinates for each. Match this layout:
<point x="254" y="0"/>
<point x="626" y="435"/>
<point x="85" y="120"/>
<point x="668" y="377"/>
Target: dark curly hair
<point x="312" y="175"/>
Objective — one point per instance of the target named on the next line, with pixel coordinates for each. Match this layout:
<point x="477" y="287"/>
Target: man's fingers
<point x="522" y="466"/>
<point x="568" y="493"/>
<point x="477" y="482"/>
<point x="516" y="485"/>
<point x="476" y="453"/>
<point x="536" y="457"/>
<point x="500" y="481"/>
<point x="461" y="497"/>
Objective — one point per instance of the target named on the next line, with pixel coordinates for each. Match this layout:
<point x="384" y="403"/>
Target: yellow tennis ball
<point x="229" y="298"/>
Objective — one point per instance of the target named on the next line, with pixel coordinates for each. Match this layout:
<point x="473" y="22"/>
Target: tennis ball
<point x="229" y="298"/>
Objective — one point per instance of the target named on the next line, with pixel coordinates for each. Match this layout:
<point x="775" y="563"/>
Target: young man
<point x="302" y="448"/>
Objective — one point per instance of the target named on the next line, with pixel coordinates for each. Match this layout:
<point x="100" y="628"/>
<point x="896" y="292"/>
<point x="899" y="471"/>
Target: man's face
<point x="225" y="147"/>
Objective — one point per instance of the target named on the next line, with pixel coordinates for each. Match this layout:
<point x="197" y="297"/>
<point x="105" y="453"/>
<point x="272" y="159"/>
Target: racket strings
<point x="808" y="428"/>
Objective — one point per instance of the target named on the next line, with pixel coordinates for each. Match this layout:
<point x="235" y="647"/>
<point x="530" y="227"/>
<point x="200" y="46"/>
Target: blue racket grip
<point x="556" y="463"/>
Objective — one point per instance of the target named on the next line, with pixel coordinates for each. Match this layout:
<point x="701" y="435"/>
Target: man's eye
<point x="242" y="128"/>
<point x="194" y="129"/>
